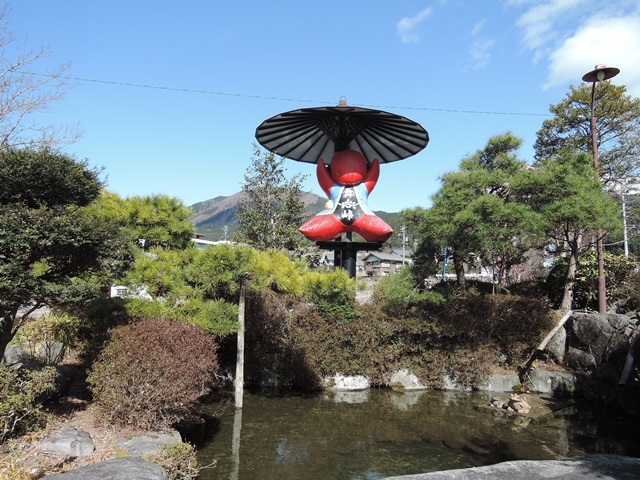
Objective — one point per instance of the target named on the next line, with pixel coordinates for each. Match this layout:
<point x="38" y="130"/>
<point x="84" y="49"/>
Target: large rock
<point x="500" y="383"/>
<point x="588" y="467"/>
<point x="553" y="382"/>
<point x="600" y="336"/>
<point x="68" y="441"/>
<point x="450" y="383"/>
<point x="126" y="468"/>
<point x="406" y="380"/>
<point x="14" y="355"/>
<point x="346" y="382"/>
<point x="149" y="444"/>
<point x="557" y="347"/>
<point x="51" y="352"/>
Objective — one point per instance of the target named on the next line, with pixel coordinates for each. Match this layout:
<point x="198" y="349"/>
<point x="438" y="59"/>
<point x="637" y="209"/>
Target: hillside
<point x="211" y="217"/>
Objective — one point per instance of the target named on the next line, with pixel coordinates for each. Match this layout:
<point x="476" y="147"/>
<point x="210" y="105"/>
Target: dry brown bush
<point x="152" y="374"/>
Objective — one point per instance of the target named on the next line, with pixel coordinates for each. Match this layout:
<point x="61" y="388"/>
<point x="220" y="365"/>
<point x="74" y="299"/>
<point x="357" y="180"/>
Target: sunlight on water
<point x="374" y="434"/>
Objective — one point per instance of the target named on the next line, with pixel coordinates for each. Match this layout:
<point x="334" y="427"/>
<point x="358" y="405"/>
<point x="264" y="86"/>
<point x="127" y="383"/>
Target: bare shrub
<point x="152" y="374"/>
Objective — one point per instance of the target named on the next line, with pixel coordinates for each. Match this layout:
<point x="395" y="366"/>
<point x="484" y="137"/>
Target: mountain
<point x="215" y="218"/>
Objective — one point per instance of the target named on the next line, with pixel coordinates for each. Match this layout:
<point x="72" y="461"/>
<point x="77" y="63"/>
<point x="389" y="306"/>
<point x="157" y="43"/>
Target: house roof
<point x="392" y="257"/>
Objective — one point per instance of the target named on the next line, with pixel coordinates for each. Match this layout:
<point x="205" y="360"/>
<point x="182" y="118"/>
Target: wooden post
<point x="235" y="447"/>
<point x="239" y="382"/>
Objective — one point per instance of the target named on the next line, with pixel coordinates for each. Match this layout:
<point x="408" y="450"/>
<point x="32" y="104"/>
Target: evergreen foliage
<point x="621" y="284"/>
<point x="54" y="251"/>
<point x="618" y="130"/>
<point x="178" y="460"/>
<point x="573" y="206"/>
<point x="271" y="210"/>
<point x="20" y="390"/>
<point x="479" y="213"/>
<point x="150" y="221"/>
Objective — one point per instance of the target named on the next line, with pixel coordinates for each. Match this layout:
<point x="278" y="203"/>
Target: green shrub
<point x="633" y="287"/>
<point x="61" y="328"/>
<point x="152" y="373"/>
<point x="19" y="392"/>
<point x="178" y="460"/>
<point x="618" y="269"/>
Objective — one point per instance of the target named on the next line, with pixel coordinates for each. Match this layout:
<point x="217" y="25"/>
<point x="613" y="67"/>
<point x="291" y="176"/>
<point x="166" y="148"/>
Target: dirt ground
<point x="21" y="459"/>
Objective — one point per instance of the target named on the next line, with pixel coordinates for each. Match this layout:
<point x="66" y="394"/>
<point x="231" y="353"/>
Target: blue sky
<point x="168" y="94"/>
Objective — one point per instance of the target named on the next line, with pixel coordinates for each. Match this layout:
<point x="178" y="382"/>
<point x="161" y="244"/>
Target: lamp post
<point x="598" y="74"/>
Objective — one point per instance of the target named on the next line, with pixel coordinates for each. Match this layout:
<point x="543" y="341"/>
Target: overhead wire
<point x="286" y="99"/>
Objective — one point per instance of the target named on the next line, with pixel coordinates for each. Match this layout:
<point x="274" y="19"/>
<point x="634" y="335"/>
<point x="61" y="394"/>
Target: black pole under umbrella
<point x="311" y="134"/>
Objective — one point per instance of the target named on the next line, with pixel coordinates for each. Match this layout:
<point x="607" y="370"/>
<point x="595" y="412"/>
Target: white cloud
<point x="480" y="49"/>
<point x="407" y="26"/>
<point x="611" y="41"/>
<point x="480" y="52"/>
<point x="538" y="23"/>
<point x="477" y="28"/>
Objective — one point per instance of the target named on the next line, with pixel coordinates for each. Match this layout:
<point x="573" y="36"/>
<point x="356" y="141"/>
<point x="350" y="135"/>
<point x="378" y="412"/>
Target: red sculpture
<point x="347" y="182"/>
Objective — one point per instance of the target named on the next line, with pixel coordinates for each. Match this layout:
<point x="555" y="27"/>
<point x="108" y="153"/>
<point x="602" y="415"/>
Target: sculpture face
<point x="347" y="182"/>
<point x="348" y="168"/>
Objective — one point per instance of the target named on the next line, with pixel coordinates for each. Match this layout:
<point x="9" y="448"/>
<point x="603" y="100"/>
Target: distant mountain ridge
<point x="213" y="215"/>
<point x="215" y="218"/>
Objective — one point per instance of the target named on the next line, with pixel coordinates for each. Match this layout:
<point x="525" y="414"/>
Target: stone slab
<point x="126" y="468"/>
<point x="588" y="467"/>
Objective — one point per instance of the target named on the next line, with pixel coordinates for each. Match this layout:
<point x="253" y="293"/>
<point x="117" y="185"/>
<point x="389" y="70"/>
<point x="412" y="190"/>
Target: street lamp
<point x="598" y="74"/>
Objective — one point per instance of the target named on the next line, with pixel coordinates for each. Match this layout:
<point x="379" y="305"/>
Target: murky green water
<point x="378" y="433"/>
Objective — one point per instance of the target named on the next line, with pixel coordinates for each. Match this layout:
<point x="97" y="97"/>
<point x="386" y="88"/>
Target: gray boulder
<point x="149" y="444"/>
<point x="588" y="467"/>
<point x="51" y="352"/>
<point x="14" y="355"/>
<point x="126" y="468"/>
<point x="500" y="383"/>
<point x="552" y="382"/>
<point x="68" y="441"/>
<point x="406" y="380"/>
<point x="600" y="336"/>
<point x="557" y="345"/>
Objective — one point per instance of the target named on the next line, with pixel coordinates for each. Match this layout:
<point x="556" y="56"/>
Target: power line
<point x="264" y="97"/>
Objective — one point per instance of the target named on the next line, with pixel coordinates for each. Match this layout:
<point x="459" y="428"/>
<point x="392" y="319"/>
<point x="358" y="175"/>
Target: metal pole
<point x="602" y="291"/>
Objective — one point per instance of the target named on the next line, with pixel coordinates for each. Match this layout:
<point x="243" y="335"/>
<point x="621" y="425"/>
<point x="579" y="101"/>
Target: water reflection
<point x="377" y="433"/>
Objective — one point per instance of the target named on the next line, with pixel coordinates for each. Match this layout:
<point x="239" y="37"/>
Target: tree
<point x="270" y="211"/>
<point x="572" y="207"/>
<point x="25" y="93"/>
<point x="479" y="213"/>
<point x="151" y="221"/>
<point x="53" y="250"/>
<point x="618" y="129"/>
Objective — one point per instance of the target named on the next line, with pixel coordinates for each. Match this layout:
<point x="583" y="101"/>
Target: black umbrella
<point x="311" y="134"/>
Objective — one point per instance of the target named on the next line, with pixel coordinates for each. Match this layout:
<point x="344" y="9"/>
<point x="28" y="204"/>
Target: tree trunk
<point x="458" y="266"/>
<point x="525" y="370"/>
<point x="567" y="297"/>
<point x="239" y="383"/>
<point x="6" y="334"/>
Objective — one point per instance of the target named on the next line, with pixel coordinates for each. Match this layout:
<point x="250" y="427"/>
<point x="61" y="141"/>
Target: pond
<point x="374" y="433"/>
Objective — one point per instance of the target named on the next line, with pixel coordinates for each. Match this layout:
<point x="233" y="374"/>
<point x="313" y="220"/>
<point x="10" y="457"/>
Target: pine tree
<point x="271" y="210"/>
